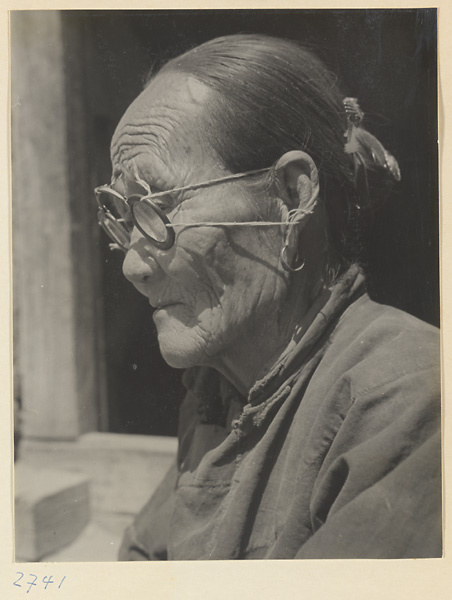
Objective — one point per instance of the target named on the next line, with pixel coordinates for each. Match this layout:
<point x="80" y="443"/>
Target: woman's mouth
<point x="167" y="305"/>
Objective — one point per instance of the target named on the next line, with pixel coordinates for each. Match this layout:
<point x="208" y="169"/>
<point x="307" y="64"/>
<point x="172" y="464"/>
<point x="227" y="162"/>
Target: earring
<point x="289" y="268"/>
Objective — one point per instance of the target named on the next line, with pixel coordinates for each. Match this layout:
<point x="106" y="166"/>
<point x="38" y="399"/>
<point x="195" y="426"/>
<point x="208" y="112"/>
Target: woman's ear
<point x="297" y="180"/>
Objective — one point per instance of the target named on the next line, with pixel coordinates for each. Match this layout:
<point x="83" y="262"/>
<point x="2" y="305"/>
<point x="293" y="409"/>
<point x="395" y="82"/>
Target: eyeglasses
<point x="118" y="214"/>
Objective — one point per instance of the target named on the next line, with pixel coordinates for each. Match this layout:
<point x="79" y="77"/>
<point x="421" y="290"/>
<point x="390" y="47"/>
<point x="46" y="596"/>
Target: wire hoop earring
<point x="289" y="268"/>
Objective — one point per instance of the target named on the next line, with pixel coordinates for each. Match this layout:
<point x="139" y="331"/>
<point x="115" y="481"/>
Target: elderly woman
<point x="310" y="428"/>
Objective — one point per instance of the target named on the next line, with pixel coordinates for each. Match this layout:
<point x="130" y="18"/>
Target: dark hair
<point x="275" y="96"/>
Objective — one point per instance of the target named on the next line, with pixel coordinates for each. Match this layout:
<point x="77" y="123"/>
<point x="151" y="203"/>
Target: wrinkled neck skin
<point x="268" y="341"/>
<point x="260" y="350"/>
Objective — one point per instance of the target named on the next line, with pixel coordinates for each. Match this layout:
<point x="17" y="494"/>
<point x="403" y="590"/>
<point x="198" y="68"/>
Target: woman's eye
<point x="165" y="203"/>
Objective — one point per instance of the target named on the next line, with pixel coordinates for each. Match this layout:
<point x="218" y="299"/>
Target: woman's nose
<point x="139" y="266"/>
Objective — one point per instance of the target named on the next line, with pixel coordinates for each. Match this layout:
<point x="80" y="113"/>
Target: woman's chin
<point x="176" y="359"/>
<point x="182" y="340"/>
<point x="180" y="351"/>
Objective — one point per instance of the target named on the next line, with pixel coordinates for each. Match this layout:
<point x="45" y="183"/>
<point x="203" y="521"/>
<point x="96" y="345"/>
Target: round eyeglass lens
<point x="117" y="208"/>
<point x="117" y="232"/>
<point x="150" y="221"/>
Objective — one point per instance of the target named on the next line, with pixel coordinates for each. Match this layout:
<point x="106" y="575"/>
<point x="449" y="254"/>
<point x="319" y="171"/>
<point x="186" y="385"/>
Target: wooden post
<point x="57" y="344"/>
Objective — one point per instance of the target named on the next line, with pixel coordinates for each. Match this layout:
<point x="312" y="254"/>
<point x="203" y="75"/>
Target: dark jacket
<point x="335" y="454"/>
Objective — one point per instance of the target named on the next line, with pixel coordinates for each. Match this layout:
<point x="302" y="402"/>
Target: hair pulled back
<point x="274" y="96"/>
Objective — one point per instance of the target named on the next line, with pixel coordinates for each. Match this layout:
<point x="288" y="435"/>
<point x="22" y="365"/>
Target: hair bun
<point x="369" y="154"/>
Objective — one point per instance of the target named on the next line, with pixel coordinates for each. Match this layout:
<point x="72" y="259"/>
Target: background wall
<point x="386" y="58"/>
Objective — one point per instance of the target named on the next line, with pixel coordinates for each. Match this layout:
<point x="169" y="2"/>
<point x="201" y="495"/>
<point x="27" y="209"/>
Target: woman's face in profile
<point x="217" y="287"/>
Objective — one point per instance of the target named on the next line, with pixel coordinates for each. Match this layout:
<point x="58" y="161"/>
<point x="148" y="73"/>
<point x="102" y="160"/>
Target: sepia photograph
<point x="225" y="277"/>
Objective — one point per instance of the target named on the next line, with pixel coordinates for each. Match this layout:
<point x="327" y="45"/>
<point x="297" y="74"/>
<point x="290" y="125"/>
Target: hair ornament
<point x="366" y="150"/>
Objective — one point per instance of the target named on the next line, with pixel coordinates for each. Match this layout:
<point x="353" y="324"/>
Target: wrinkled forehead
<point x="163" y="124"/>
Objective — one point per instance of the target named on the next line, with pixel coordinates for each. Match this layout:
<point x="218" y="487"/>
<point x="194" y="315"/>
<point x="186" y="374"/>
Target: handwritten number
<point x="32" y="583"/>
<point x="47" y="580"/>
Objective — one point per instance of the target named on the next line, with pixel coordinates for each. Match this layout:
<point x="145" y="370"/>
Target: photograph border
<point x="310" y="579"/>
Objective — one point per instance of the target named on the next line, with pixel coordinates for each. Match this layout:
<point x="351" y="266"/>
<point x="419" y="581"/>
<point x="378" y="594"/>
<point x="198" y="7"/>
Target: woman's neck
<point x="260" y="350"/>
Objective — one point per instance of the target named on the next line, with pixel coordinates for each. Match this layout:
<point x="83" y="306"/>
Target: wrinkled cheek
<point x="204" y="268"/>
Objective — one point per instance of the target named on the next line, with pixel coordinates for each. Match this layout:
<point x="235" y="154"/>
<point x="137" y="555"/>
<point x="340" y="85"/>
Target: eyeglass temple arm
<point x="209" y="183"/>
